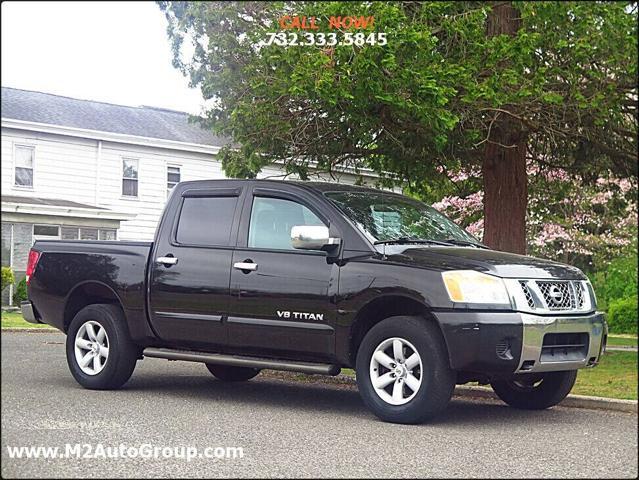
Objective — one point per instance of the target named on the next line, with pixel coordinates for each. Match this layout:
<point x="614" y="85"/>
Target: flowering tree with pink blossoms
<point x="568" y="219"/>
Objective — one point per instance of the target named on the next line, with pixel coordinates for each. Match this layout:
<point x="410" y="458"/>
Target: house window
<point x="107" y="234"/>
<point x="129" y="177"/>
<point x="46" y="232"/>
<point x="69" y="233"/>
<point x="88" y="233"/>
<point x="24" y="165"/>
<point x="172" y="178"/>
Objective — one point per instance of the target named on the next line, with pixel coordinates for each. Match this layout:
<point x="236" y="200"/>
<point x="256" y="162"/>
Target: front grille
<point x="580" y="297"/>
<point x="529" y="296"/>
<point x="561" y="347"/>
<point x="554" y="295"/>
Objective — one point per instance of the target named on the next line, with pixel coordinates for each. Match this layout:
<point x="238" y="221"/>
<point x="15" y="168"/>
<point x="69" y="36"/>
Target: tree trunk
<point x="504" y="162"/>
<point x="505" y="195"/>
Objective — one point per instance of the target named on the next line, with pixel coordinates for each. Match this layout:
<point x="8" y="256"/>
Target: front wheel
<point x="535" y="391"/>
<point x="403" y="374"/>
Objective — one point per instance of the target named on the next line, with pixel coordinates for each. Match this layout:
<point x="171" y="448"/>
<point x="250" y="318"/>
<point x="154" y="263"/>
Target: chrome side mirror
<point x="312" y="237"/>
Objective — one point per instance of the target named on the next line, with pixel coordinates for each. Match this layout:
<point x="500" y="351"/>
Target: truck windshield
<point x="387" y="218"/>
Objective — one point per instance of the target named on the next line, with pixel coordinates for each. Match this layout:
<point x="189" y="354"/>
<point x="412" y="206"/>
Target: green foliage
<point x="424" y="103"/>
<point x="21" y="292"/>
<point x="618" y="281"/>
<point x="622" y="315"/>
<point x="7" y="277"/>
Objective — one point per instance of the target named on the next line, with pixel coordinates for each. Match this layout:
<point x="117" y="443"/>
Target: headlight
<point x="468" y="286"/>
<point x="593" y="295"/>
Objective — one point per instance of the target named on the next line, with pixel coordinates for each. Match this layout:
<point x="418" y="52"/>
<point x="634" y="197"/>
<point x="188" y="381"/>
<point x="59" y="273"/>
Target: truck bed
<point x="84" y="268"/>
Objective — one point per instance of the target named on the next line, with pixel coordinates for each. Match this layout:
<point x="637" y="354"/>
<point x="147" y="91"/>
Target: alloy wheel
<point x="91" y="347"/>
<point x="396" y="371"/>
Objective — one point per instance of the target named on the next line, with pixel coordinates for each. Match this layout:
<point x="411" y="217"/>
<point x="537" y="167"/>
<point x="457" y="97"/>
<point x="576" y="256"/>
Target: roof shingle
<point x="146" y="122"/>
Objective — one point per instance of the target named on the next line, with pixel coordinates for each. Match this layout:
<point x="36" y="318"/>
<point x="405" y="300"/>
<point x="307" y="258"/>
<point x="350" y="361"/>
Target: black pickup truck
<point x="315" y="277"/>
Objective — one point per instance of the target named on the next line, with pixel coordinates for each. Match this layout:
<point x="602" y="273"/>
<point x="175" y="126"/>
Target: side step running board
<point x="237" y="361"/>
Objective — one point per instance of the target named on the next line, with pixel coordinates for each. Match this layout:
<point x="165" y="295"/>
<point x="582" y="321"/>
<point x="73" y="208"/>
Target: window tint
<point x="272" y="220"/>
<point x="206" y="220"/>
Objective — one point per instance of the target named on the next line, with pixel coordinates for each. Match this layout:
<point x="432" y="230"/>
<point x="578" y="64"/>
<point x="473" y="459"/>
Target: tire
<point x="536" y="391"/>
<point x="108" y="329"/>
<point x="228" y="373"/>
<point x="435" y="377"/>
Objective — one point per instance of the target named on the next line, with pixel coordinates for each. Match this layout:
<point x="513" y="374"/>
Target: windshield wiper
<point x="405" y="241"/>
<point x="466" y="243"/>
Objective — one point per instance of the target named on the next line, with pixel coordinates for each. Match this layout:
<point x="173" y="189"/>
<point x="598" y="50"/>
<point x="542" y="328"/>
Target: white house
<point x="78" y="169"/>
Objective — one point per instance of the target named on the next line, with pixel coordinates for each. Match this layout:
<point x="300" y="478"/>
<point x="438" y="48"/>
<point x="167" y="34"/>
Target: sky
<point x="116" y="52"/>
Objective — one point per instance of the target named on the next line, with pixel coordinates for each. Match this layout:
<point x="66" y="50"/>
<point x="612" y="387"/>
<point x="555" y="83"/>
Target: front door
<point x="281" y="297"/>
<point x="189" y="281"/>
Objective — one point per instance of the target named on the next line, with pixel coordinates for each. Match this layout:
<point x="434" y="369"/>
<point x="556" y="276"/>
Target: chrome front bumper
<point x="28" y="313"/>
<point x="536" y="327"/>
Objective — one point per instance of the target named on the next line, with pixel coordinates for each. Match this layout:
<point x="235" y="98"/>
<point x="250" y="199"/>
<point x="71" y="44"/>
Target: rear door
<point x="282" y="300"/>
<point x="189" y="280"/>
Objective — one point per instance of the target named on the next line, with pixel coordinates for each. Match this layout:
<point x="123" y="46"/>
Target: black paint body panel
<point x="203" y="303"/>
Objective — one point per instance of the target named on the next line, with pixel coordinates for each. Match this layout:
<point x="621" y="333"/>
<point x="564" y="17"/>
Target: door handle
<point x="167" y="261"/>
<point x="245" y="266"/>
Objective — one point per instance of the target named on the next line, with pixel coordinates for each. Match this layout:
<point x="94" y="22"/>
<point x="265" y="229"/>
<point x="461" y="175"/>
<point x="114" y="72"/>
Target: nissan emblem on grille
<point x="556" y="294"/>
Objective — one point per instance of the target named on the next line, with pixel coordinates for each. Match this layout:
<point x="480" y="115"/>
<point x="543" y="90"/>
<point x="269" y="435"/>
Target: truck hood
<point x="501" y="264"/>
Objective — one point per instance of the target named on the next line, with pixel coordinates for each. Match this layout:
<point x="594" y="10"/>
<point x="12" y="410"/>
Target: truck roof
<point x="320" y="187"/>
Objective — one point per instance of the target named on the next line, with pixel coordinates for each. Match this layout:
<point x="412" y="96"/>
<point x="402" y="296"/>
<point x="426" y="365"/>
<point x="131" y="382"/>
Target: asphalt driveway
<point x="284" y="428"/>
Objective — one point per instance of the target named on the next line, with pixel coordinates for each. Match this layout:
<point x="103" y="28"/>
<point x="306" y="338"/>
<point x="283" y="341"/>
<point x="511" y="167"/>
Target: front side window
<point x="206" y="221"/>
<point x="172" y="178"/>
<point x="130" y="177"/>
<point x="383" y="217"/>
<point x="272" y="220"/>
<point x="24" y="165"/>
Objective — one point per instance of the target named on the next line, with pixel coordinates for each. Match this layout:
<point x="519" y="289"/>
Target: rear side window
<point x="206" y="221"/>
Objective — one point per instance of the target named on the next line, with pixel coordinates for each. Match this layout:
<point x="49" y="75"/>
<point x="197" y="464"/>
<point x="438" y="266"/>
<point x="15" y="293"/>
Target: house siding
<point x="64" y="167"/>
<point x="90" y="171"/>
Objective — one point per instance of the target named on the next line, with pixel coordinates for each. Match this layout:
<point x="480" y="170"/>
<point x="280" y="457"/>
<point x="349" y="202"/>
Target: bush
<point x="622" y="315"/>
<point x="617" y="281"/>
<point x="21" y="292"/>
<point x="7" y="277"/>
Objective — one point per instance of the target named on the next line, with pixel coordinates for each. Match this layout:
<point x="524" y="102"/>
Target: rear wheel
<point x="403" y="373"/>
<point x="228" y="373"/>
<point x="535" y="391"/>
<point x="100" y="353"/>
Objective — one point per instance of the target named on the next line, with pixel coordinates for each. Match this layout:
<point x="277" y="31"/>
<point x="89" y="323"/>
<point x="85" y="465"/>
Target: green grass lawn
<point x="15" y="320"/>
<point x="615" y="376"/>
<point x="622" y="341"/>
